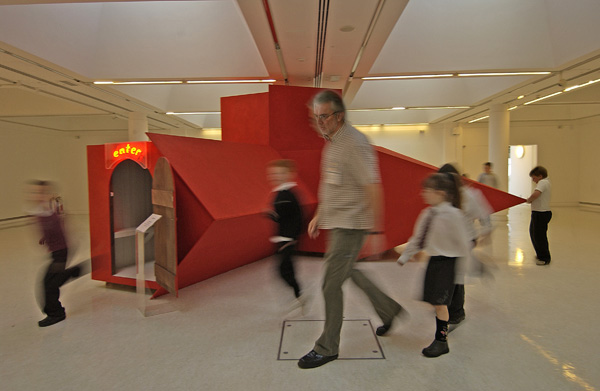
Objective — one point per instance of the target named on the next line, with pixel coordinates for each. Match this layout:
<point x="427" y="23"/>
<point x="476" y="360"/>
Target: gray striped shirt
<point x="348" y="164"/>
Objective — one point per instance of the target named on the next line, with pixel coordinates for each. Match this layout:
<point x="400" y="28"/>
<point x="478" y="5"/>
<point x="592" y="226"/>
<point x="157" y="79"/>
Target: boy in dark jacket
<point x="287" y="213"/>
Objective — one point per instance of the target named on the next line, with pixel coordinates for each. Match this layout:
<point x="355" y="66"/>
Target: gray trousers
<point x="342" y="251"/>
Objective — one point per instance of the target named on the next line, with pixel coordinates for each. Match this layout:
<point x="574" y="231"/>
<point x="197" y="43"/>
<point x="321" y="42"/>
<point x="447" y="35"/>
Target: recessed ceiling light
<point x="438" y="107"/>
<point x="502" y="74"/>
<point x="231" y="81"/>
<point x="407" y="77"/>
<point x="347" y="29"/>
<point x="150" y="82"/>
<point x="478" y="119"/>
<point x="582" y="85"/>
<point x="441" y="75"/>
<point x="413" y="108"/>
<point x="139" y="82"/>
<point x="193" y="113"/>
<point x="543" y="97"/>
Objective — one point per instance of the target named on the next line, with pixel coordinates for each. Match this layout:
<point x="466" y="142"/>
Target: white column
<point x="498" y="139"/>
<point x="457" y="133"/>
<point x="498" y="142"/>
<point x="138" y="126"/>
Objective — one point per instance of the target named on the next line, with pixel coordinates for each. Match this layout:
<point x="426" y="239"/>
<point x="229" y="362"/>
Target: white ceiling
<point x="51" y="52"/>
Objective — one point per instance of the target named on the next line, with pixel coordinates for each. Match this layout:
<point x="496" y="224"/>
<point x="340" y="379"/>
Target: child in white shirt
<point x="540" y="214"/>
<point x="441" y="231"/>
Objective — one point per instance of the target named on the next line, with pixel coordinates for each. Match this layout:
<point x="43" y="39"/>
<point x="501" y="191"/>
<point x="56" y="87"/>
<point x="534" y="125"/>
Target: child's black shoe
<point x="50" y="320"/>
<point x="436" y="349"/>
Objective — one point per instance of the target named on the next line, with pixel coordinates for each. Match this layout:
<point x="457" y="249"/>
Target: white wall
<point x="589" y="161"/>
<point x="419" y="142"/>
<point x="558" y="151"/>
<point x="568" y="150"/>
<point x="475" y="151"/>
<point x="60" y="157"/>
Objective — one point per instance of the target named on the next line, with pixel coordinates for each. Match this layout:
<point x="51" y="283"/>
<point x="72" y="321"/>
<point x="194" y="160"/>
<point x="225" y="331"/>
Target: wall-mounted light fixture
<point x="519" y="151"/>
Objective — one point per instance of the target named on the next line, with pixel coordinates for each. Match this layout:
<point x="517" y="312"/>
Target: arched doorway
<point x="130" y="205"/>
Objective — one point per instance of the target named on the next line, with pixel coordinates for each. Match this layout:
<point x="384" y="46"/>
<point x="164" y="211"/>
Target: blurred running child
<point x="440" y="230"/>
<point x="287" y="213"/>
<point x="48" y="211"/>
<point x="475" y="208"/>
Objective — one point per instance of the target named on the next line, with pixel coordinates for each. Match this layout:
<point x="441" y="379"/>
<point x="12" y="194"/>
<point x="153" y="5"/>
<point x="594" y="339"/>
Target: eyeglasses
<point x="323" y="117"/>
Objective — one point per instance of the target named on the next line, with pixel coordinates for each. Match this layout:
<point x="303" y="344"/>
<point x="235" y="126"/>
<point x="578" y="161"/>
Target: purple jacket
<point x="53" y="232"/>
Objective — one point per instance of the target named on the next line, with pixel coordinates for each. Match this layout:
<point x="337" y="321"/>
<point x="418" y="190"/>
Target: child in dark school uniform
<point x="287" y="213"/>
<point x="441" y="231"/>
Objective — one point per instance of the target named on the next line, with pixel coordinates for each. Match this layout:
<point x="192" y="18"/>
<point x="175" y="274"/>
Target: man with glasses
<point x="350" y="207"/>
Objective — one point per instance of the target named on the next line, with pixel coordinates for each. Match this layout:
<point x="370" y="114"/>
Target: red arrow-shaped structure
<point x="222" y="190"/>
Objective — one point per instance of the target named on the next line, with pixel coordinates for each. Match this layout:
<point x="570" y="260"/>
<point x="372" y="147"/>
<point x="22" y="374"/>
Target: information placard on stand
<point x="158" y="306"/>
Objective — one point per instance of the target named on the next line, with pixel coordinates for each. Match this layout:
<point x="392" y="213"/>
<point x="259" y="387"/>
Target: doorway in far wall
<point x="131" y="204"/>
<point x="522" y="159"/>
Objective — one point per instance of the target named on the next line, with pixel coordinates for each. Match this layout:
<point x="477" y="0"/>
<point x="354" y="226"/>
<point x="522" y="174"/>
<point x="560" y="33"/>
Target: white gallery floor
<point x="527" y="328"/>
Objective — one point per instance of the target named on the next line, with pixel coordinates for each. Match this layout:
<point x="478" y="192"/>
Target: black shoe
<point x="436" y="349"/>
<point x="456" y="319"/>
<point x="314" y="359"/>
<point x="383" y="329"/>
<point x="75" y="271"/>
<point x="50" y="320"/>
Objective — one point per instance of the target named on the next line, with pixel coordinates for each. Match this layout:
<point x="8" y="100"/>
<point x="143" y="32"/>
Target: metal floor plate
<point x="358" y="340"/>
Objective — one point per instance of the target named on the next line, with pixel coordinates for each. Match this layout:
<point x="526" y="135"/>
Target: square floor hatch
<point x="358" y="340"/>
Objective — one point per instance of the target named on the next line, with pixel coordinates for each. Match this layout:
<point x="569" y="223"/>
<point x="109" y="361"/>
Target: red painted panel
<point x="245" y="119"/>
<point x="290" y="119"/>
<point x="192" y="218"/>
<point x="226" y="245"/>
<point x="498" y="199"/>
<point x="401" y="179"/>
<point x="228" y="178"/>
<point x="308" y="163"/>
